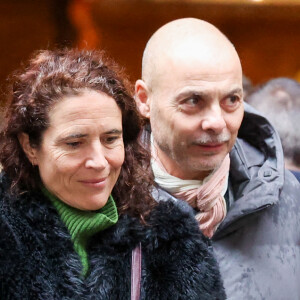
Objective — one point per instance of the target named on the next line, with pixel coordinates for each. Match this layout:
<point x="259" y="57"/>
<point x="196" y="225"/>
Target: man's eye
<point x="190" y="102"/>
<point x="193" y="101"/>
<point x="232" y="101"/>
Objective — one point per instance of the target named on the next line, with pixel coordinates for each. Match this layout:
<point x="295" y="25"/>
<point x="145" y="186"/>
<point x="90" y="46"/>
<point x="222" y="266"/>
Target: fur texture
<point x="37" y="259"/>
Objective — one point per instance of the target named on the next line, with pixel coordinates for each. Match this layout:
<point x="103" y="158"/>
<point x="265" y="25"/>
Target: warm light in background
<point x="266" y="32"/>
<point x="239" y="2"/>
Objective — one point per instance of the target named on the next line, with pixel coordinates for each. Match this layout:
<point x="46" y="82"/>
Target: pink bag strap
<point x="136" y="266"/>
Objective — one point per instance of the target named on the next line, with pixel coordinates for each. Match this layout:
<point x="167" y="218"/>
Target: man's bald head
<point x="181" y="39"/>
<point x="192" y="94"/>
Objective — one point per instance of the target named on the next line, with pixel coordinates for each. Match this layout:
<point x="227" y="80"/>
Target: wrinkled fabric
<point x="296" y="174"/>
<point x="258" y="243"/>
<point x="206" y="196"/>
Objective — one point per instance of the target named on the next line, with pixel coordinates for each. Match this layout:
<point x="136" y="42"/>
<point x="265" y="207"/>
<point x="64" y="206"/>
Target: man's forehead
<point x="206" y="91"/>
<point x="196" y="71"/>
<point x="186" y="48"/>
<point x="213" y="52"/>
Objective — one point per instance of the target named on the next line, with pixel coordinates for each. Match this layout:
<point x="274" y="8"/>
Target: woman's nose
<point x="96" y="158"/>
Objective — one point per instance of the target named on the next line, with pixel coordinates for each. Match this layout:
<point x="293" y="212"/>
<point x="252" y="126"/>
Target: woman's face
<point x="82" y="151"/>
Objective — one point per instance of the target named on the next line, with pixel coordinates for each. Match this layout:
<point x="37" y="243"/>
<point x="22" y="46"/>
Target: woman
<point x="74" y="193"/>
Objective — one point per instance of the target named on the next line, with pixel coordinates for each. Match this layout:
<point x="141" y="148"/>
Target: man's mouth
<point x="210" y="147"/>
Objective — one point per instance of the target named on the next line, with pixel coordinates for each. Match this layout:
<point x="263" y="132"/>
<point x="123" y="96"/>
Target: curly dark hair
<point x="50" y="76"/>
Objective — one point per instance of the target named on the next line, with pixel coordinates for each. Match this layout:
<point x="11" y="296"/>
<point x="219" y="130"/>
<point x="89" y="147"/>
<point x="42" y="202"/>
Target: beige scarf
<point x="207" y="196"/>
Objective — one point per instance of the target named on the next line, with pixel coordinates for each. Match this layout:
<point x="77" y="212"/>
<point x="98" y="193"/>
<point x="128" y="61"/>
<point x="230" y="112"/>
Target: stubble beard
<point x="205" y="163"/>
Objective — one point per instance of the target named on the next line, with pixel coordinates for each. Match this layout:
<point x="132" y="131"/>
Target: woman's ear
<point x="30" y="151"/>
<point x="142" y="98"/>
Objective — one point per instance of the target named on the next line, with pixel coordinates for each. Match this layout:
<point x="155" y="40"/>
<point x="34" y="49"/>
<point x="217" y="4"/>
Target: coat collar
<point x="256" y="171"/>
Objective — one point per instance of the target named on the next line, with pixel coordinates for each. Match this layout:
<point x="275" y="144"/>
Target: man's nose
<point x="213" y="120"/>
<point x="96" y="157"/>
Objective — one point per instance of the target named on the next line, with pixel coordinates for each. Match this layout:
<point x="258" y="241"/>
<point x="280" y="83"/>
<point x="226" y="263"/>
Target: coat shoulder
<point x="178" y="255"/>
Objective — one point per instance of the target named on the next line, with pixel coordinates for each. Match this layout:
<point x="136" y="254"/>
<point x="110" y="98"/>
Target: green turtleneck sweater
<point x="83" y="224"/>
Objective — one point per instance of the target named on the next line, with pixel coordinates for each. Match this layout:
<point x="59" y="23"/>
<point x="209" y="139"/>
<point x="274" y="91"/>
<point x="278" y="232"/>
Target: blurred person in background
<point x="77" y="219"/>
<point x="247" y="87"/>
<point x="279" y="101"/>
<point x="218" y="154"/>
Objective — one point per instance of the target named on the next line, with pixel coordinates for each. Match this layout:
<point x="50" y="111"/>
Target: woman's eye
<point x="74" y="144"/>
<point x="111" y="139"/>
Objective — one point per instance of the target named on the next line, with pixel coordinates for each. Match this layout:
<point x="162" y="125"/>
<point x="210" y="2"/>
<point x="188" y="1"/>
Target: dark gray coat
<point x="258" y="243"/>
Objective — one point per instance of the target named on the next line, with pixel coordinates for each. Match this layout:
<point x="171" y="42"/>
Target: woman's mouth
<point x="94" y="183"/>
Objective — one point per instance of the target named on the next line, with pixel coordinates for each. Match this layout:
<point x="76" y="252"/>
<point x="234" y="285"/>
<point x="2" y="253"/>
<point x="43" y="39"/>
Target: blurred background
<point x="266" y="33"/>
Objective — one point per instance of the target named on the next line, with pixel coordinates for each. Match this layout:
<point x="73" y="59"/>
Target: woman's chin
<point x="95" y="204"/>
<point x="90" y="204"/>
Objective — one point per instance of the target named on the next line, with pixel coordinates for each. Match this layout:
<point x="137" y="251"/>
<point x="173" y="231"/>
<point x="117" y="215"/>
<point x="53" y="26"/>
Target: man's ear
<point x="30" y="151"/>
<point x="142" y="98"/>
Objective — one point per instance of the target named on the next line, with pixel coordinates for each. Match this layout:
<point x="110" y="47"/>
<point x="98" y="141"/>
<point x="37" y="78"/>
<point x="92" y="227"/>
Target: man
<point x="191" y="90"/>
<point x="279" y="101"/>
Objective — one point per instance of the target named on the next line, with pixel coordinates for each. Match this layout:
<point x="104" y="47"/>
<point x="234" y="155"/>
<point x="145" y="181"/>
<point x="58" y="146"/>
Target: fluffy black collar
<point x="39" y="262"/>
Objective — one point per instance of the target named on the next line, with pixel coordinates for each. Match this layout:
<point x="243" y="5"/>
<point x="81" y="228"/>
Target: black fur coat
<point x="37" y="259"/>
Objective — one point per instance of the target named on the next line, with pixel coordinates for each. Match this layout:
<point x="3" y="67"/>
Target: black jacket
<point x="37" y="259"/>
